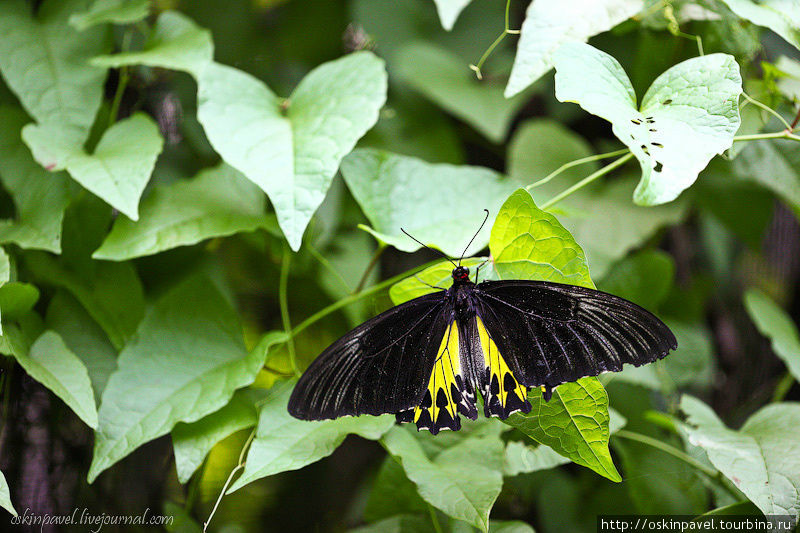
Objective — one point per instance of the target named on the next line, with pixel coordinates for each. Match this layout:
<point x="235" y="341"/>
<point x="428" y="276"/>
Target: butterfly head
<point x="460" y="273"/>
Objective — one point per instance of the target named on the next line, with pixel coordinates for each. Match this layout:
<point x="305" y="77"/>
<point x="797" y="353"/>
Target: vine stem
<point x="751" y="100"/>
<point x="372" y="262"/>
<point x="711" y="473"/>
<point x="785" y="134"/>
<point x="434" y="519"/>
<point x="283" y="300"/>
<point x="576" y="163"/>
<point x="587" y="180"/>
<point x="506" y="31"/>
<point x="122" y="83"/>
<point x="228" y="481"/>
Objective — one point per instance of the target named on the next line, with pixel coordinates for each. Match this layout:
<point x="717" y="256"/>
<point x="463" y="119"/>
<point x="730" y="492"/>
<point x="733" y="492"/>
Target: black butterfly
<point x="425" y="359"/>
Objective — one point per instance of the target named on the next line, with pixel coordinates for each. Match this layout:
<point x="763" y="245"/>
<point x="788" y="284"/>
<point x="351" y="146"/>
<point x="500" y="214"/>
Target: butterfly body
<point x="426" y="360"/>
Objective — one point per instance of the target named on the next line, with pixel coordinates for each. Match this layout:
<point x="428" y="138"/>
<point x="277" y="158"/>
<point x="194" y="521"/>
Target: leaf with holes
<point x="551" y="23"/>
<point x="689" y="114"/>
<point x="397" y="192"/>
<point x="762" y="458"/>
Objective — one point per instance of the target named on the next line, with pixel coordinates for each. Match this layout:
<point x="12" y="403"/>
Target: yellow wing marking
<point x="500" y="381"/>
<point x="438" y="406"/>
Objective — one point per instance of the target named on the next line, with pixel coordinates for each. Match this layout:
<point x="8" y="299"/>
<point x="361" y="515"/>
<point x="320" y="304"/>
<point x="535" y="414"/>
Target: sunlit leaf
<point x="551" y="23"/>
<point x="689" y="114"/>
<point x="5" y="496"/>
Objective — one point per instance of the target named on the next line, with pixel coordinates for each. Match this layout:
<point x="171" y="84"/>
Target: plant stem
<point x="785" y="134"/>
<point x="434" y="519"/>
<point x="283" y="301"/>
<point x="372" y="262"/>
<point x="358" y="296"/>
<point x="329" y="267"/>
<point x="122" y="82"/>
<point x="575" y="163"/>
<point x="767" y="109"/>
<point x="506" y="31"/>
<point x="783" y="387"/>
<point x="711" y="473"/>
<point x="228" y="481"/>
<point x="793" y="125"/>
<point x="587" y="180"/>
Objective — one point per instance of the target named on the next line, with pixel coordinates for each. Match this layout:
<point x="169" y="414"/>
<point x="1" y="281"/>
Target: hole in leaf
<point x="667" y="101"/>
<point x="658" y="167"/>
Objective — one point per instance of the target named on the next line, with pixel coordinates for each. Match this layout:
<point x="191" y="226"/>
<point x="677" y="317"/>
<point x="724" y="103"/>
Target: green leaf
<point x="644" y="278"/>
<point x="551" y="23"/>
<point x="5" y="274"/>
<point x="693" y="108"/>
<point x="216" y="203"/>
<point x="120" y="166"/>
<point x="17" y="298"/>
<point x="114" y="11"/>
<point x="449" y="10"/>
<point x="440" y="275"/>
<point x="45" y="62"/>
<point x="285" y="443"/>
<point x="509" y="526"/>
<point x="522" y="458"/>
<point x="84" y="337"/>
<point x="40" y="197"/>
<point x="292" y="155"/>
<point x="574" y="423"/>
<point x="396" y="191"/>
<point x="52" y="363"/>
<point x="399" y="524"/>
<point x="176" y="43"/>
<point x="780" y="16"/>
<point x="443" y="481"/>
<point x="789" y="85"/>
<point x="777" y="326"/>
<point x="192" y="442"/>
<point x="5" y="496"/>
<point x="762" y="458"/>
<point x="528" y="243"/>
<point x="186" y="360"/>
<point x="773" y="165"/>
<point x="393" y="493"/>
<point x="445" y="79"/>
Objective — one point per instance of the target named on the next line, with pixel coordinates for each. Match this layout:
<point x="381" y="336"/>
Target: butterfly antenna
<point x="474" y="236"/>
<point x="428" y="247"/>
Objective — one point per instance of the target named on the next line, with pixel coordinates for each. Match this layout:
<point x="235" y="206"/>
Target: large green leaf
<point x="186" y="361"/>
<point x="574" y="423"/>
<point x="116" y="11"/>
<point x="45" y="61"/>
<point x="781" y="16"/>
<point x="216" y="203"/>
<point x="392" y="493"/>
<point x="777" y="326"/>
<point x="440" y="275"/>
<point x="443" y="481"/>
<point x="424" y="199"/>
<point x="84" y="337"/>
<point x="644" y="278"/>
<point x="528" y="243"/>
<point x="193" y="441"/>
<point x="689" y="114"/>
<point x="285" y="443"/>
<point x="449" y="10"/>
<point x="40" y="197"/>
<point x="762" y="458"/>
<point x="120" y="166"/>
<point x="5" y="496"/>
<point x="399" y="524"/>
<point x="551" y="23"/>
<point x="445" y="79"/>
<point x="52" y="363"/>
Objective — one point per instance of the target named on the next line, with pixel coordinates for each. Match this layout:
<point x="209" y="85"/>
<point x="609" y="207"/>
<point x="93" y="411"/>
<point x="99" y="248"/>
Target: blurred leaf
<point x="509" y="526"/>
<point x="773" y="165"/>
<point x="16" y="299"/>
<point x="175" y="42"/>
<point x="574" y="423"/>
<point x="218" y="202"/>
<point x="396" y="191"/>
<point x="446" y="80"/>
<point x="528" y="243"/>
<point x="44" y="60"/>
<point x="5" y="274"/>
<point x="440" y="275"/>
<point x="115" y="11"/>
<point x="463" y="493"/>
<point x="762" y="458"/>
<point x="551" y="23"/>
<point x="120" y="166"/>
<point x="780" y="16"/>
<point x="449" y="10"/>
<point x="84" y="337"/>
<point x="777" y="326"/>
<point x="285" y="443"/>
<point x="192" y="442"/>
<point x="392" y="493"/>
<point x="52" y="363"/>
<point x="187" y="359"/>
<point x="399" y="524"/>
<point x="689" y="114"/>
<point x="789" y="85"/>
<point x="40" y="197"/>
<point x="524" y="458"/>
<point x="5" y="496"/>
<point x="182" y="520"/>
<point x="643" y="278"/>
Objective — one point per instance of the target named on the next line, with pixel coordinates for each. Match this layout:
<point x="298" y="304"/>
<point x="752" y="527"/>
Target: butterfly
<point x="426" y="359"/>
